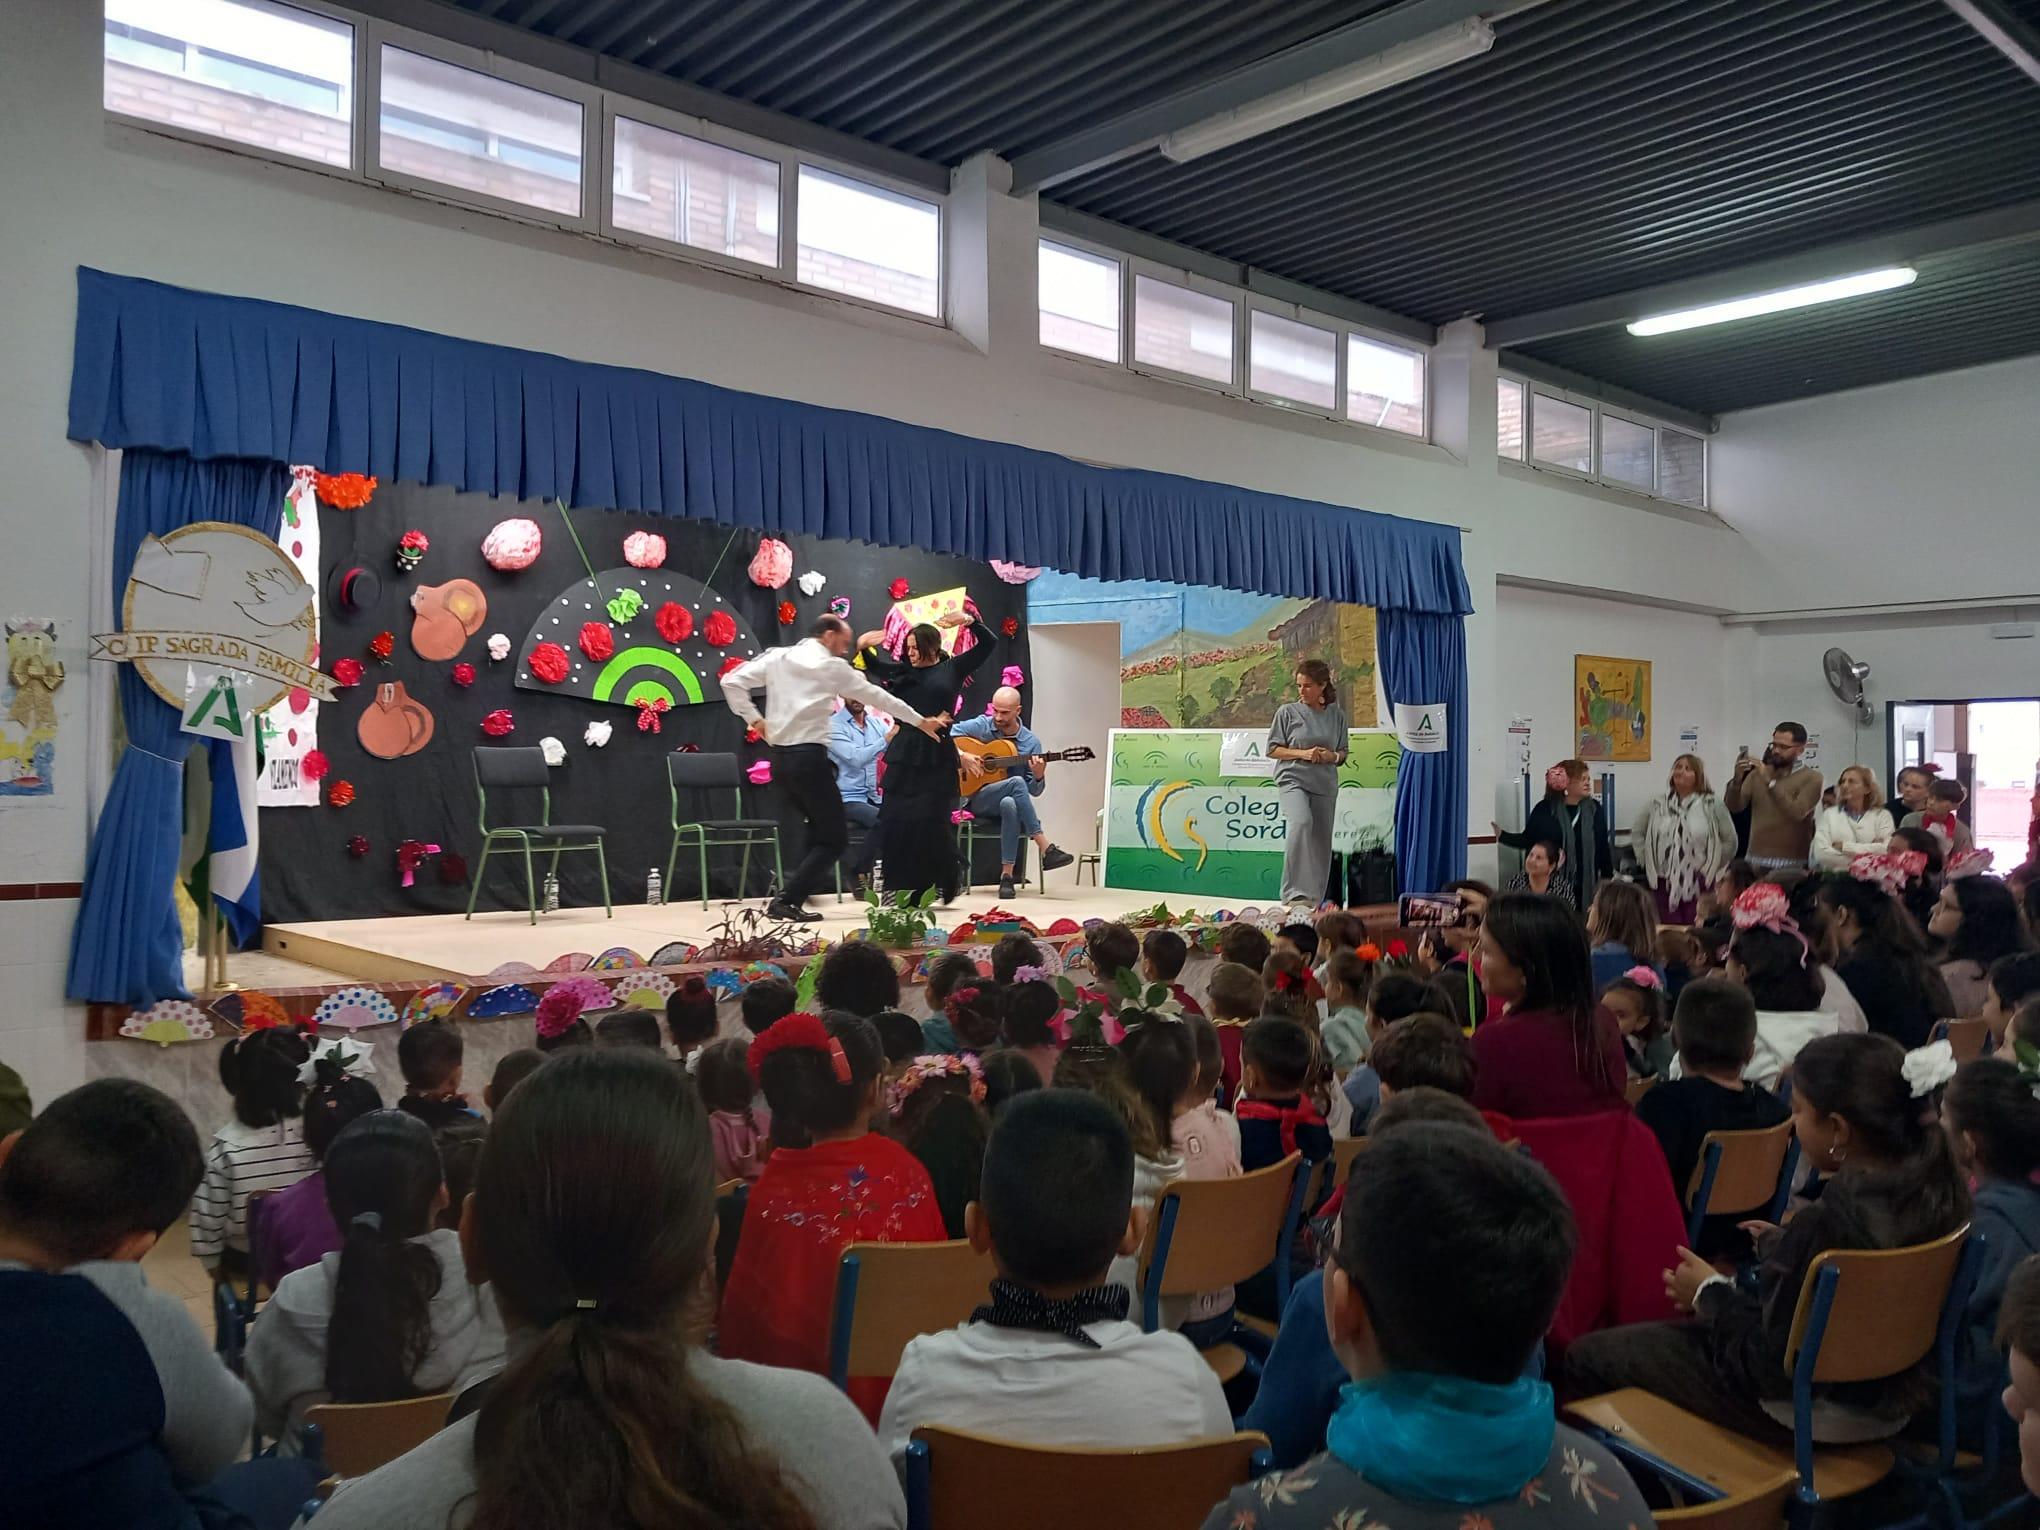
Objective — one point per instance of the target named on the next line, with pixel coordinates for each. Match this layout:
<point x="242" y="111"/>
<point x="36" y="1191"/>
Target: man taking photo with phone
<point x="1781" y="795"/>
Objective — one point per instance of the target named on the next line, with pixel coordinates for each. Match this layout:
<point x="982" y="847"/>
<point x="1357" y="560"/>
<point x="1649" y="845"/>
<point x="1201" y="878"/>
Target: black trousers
<point x="806" y="778"/>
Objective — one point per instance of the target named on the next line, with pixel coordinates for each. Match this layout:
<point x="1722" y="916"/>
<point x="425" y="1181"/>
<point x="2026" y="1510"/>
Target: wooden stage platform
<point x="430" y="947"/>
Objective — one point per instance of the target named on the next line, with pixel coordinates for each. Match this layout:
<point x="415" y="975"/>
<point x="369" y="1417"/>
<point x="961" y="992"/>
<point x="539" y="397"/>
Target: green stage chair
<point x="524" y="769"/>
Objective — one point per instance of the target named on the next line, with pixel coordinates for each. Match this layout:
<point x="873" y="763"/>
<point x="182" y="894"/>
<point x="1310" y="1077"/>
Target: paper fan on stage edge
<point x="594" y="995"/>
<point x="510" y="970"/>
<point x="617" y="959"/>
<point x="503" y="1000"/>
<point x="355" y="1009"/>
<point x="676" y="953"/>
<point x="573" y="961"/>
<point x="648" y="990"/>
<point x="249" y="1007"/>
<point x="438" y="1002"/>
<point x="167" y="1022"/>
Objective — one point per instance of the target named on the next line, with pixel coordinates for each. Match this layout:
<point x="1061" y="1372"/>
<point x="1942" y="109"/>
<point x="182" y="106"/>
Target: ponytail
<point x="260" y="1070"/>
<point x="1161" y="1064"/>
<point x="382" y="1180"/>
<point x="1319" y="673"/>
<point x="816" y="1074"/>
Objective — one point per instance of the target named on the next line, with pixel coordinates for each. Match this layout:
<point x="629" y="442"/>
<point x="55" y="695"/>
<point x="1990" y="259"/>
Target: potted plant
<point x="900" y="920"/>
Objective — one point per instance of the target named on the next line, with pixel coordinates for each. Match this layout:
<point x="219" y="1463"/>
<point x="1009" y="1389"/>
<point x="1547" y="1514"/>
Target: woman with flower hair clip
<point x="936" y="1106"/>
<point x="1883" y="954"/>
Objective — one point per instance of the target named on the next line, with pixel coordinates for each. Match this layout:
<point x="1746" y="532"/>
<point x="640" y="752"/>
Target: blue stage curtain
<point x="1423" y="661"/>
<point x="210" y="376"/>
<point x="127" y="947"/>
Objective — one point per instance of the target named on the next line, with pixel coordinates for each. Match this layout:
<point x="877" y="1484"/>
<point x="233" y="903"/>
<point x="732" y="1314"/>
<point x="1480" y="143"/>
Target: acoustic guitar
<point x="1004" y="749"/>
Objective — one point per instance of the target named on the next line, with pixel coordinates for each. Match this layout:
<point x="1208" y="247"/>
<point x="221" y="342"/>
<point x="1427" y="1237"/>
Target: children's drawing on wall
<point x="1611" y="707"/>
<point x="28" y="732"/>
<point x="1196" y="657"/>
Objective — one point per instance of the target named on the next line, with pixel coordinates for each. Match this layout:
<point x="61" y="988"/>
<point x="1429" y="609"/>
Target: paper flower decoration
<point x="597" y="642"/>
<point x="411" y="549"/>
<point x="753" y="736"/>
<point x="313" y="766"/>
<point x="898" y="589"/>
<point x="732" y="662"/>
<point x="554" y="751"/>
<point x="343" y="491"/>
<point x="1010" y="627"/>
<point x="558" y="1010"/>
<point x="340" y="794"/>
<point x="959" y="816"/>
<point x="644" y="549"/>
<point x="675" y="622"/>
<point x="840" y="606"/>
<point x="453" y="870"/>
<point x="596" y="735"/>
<point x="1015" y="573"/>
<point x="498" y="723"/>
<point x="720" y="629"/>
<point x="760" y="773"/>
<point x="549" y="663"/>
<point x="499" y="647"/>
<point x="410" y="856"/>
<point x="624" y="605"/>
<point x="512" y="544"/>
<point x="357" y="846"/>
<point x="1013" y="675"/>
<point x="347" y="672"/>
<point x="772" y="564"/>
<point x="787" y="613"/>
<point x="811" y="583"/>
<point x="649" y="709"/>
<point x="382" y="645"/>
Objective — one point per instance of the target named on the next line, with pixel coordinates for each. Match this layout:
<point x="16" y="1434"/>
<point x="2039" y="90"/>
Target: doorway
<point x="1990" y="746"/>
<point x="1075" y="691"/>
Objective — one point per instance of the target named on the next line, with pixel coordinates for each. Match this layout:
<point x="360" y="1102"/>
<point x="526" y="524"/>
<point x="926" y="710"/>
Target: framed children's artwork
<point x="1611" y="708"/>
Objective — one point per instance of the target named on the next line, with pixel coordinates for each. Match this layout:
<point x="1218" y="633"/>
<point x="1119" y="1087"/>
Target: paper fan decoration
<point x="504" y="999"/>
<point x="753" y="971"/>
<point x="435" y="1003"/>
<point x="645" y="990"/>
<point x="573" y="961"/>
<point x="675" y="954"/>
<point x="249" y="1009"/>
<point x="593" y="995"/>
<point x="509" y="970"/>
<point x="355" y="1009"/>
<point x="643" y="662"/>
<point x="616" y="959"/>
<point x="168" y="1022"/>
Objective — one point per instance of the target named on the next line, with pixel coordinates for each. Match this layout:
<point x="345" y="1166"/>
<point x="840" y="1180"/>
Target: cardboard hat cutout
<point x="352" y="590"/>
<point x="445" y="616"/>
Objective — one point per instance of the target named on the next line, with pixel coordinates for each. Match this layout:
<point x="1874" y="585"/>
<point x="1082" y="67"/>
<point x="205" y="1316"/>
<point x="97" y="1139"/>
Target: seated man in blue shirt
<point x="1010" y="801"/>
<point x="855" y="743"/>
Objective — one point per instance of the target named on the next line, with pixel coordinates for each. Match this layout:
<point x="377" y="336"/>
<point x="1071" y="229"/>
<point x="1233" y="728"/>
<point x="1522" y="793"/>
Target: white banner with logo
<point x="1420" y="726"/>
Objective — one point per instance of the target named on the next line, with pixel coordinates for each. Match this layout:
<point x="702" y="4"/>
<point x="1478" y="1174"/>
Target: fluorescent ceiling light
<point x="1777" y="302"/>
<point x="1411" y="61"/>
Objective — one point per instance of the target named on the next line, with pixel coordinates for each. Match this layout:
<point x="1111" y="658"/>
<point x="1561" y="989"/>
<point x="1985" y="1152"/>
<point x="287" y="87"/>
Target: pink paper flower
<point x="1012" y="675"/>
<point x="644" y="549"/>
<point x="772" y="564"/>
<point x="512" y="544"/>
<point x="760" y="773"/>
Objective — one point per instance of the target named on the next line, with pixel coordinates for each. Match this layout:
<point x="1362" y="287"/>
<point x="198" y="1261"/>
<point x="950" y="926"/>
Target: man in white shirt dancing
<point x="801" y="685"/>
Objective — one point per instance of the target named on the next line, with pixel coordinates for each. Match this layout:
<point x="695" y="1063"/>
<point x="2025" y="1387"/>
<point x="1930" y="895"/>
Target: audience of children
<point x="1945" y="796"/>
<point x="1394" y="996"/>
<point x="1888" y="1180"/>
<point x="1622" y="930"/>
<point x="765" y="1002"/>
<point x="262" y="1148"/>
<point x="430" y="1054"/>
<point x="691" y="1021"/>
<point x="1141" y="1078"/>
<point x="946" y="973"/>
<point x="1235" y="995"/>
<point x="1301" y="940"/>
<point x="1771" y="959"/>
<point x="1884" y="959"/>
<point x="512" y="1069"/>
<point x="724" y="1080"/>
<point x="2013" y="980"/>
<point x="2019" y="1335"/>
<point x="858" y="978"/>
<point x="1919" y="886"/>
<point x="1009" y="1073"/>
<point x="935" y="1109"/>
<point x="592" y="1221"/>
<point x="1345" y="979"/>
<point x="1162" y="955"/>
<point x="1978" y="922"/>
<point x="900" y="1034"/>
<point x="1637" y="1001"/>
<point x="1027" y="1025"/>
<point x="1554" y="1052"/>
<point x="296" y="1227"/>
<point x="630" y="1028"/>
<point x="1425" y="1051"/>
<point x="1051" y="1358"/>
<point x="394" y="1300"/>
<point x="1244" y="943"/>
<point x="1011" y="954"/>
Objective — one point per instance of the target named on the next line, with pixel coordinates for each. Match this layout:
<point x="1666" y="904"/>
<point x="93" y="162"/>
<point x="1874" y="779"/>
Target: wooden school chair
<point x="1965" y="1038"/>
<point x="1761" y="1507"/>
<point x="1637" y="1088"/>
<point x="888" y="1293"/>
<point x="957" y="1480"/>
<point x="356" y="1438"/>
<point x="1743" y="1171"/>
<point x="1331" y="1173"/>
<point x="1861" y="1316"/>
<point x="1209" y="1233"/>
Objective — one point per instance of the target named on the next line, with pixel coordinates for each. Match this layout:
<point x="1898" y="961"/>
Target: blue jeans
<point x="1013" y="805"/>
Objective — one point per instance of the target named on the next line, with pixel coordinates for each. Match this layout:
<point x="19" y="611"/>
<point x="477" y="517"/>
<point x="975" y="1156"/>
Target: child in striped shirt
<point x="262" y="1148"/>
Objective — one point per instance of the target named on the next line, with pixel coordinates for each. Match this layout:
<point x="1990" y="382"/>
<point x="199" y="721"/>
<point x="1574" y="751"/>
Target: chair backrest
<point x="1332" y="1172"/>
<point x="696" y="771"/>
<point x="888" y="1293"/>
<point x="1637" y="1088"/>
<point x="511" y="767"/>
<point x="1738" y="1171"/>
<point x="1965" y="1037"/>
<point x="1758" y="1508"/>
<point x="962" y="1481"/>
<point x="1868" y="1314"/>
<point x="359" y="1437"/>
<point x="1208" y="1233"/>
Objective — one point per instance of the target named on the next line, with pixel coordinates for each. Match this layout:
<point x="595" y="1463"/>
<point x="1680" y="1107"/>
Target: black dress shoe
<point x="787" y="913"/>
<point x="1054" y="858"/>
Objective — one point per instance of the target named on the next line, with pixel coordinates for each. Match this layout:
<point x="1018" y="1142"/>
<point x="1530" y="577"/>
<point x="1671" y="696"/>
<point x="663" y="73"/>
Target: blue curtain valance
<point x="173" y="370"/>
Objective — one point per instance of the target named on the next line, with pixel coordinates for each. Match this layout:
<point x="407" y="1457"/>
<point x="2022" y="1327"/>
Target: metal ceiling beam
<point x="1135" y="131"/>
<point x="2017" y="223"/>
<point x="2011" y="34"/>
<point x="1608" y="393"/>
<point x="453" y="24"/>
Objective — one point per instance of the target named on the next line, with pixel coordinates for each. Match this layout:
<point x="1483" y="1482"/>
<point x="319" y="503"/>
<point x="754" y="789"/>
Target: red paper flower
<point x="463" y="675"/>
<point x="343" y="491"/>
<point x="787" y="613"/>
<point x="498" y="723"/>
<point x="358" y="846"/>
<point x="753" y="736"/>
<point x="675" y="622"/>
<point x="648" y="710"/>
<point x="313" y="766"/>
<point x="414" y="542"/>
<point x="597" y="641"/>
<point x="549" y="663"/>
<point x="1398" y="949"/>
<point x="382" y="645"/>
<point x="347" y="671"/>
<point x="720" y="629"/>
<point x="899" y="588"/>
<point x="411" y="855"/>
<point x="732" y="662"/>
<point x="453" y="869"/>
<point x="1010" y="627"/>
<point x="340" y="794"/>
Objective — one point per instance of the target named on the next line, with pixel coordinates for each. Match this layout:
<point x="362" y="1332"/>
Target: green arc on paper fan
<point x="649" y="689"/>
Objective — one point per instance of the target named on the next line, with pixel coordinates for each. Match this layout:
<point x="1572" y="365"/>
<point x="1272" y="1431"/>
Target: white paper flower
<point x="1927" y="1068"/>
<point x="352" y="1056"/>
<point x="811" y="582"/>
<point x="596" y="735"/>
<point x="555" y="751"/>
<point x="499" y="647"/>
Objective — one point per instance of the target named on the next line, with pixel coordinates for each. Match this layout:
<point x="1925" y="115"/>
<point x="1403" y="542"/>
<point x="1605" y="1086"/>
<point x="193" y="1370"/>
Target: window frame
<point x="1561" y="396"/>
<point x="1295" y="314"/>
<point x="1706" y="466"/>
<point x="1101" y="252"/>
<point x="1602" y="414"/>
<point x="615" y="106"/>
<point x="1522" y="388"/>
<point x="790" y="233"/>
<point x="1387" y="342"/>
<point x="1598" y="412"/>
<point x="357" y="137"/>
<point x="477" y="61"/>
<point x="1189" y="281"/>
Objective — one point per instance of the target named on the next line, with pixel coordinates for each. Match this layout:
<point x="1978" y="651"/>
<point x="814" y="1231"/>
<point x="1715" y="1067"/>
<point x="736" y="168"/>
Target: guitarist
<point x="1013" y="798"/>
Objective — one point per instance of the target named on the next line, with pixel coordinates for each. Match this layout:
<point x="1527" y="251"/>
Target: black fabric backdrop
<point x="307" y="872"/>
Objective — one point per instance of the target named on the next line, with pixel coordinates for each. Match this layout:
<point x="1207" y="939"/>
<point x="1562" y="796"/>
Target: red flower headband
<point x="961" y="999"/>
<point x="1890" y="870"/>
<point x="1284" y="981"/>
<point x="800" y="1031"/>
<point x="1766" y="907"/>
